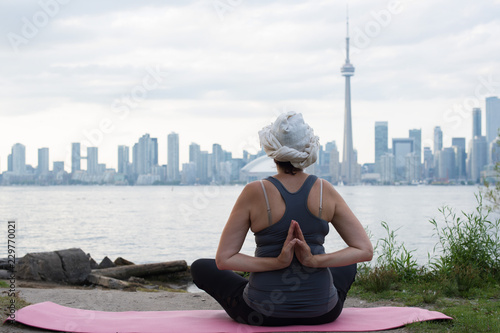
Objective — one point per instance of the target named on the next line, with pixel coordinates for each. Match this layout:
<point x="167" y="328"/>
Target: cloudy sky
<point x="216" y="71"/>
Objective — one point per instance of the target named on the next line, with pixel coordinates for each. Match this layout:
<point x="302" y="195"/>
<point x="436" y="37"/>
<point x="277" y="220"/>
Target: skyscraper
<point x="438" y="139"/>
<point x="123" y="159"/>
<point x="478" y="157"/>
<point x="381" y="142"/>
<point x="43" y="161"/>
<point x="476" y="122"/>
<point x="458" y="145"/>
<point x="400" y="149"/>
<point x="92" y="160"/>
<point x="173" y="157"/>
<point x="195" y="157"/>
<point x="75" y="157"/>
<point x="348" y="161"/>
<point x="492" y="118"/>
<point x="416" y="135"/>
<point x="155" y="151"/>
<point x="143" y="155"/>
<point x="18" y="159"/>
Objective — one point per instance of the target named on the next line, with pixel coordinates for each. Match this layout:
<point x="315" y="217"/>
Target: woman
<point x="292" y="280"/>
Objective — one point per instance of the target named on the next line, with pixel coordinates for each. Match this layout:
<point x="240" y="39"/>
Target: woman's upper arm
<point x="236" y="228"/>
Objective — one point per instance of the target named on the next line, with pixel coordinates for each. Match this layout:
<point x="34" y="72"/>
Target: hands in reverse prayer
<point x="295" y="243"/>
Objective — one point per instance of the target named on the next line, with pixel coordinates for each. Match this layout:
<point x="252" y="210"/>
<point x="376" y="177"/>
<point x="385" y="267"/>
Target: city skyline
<point x="149" y="146"/>
<point x="76" y="71"/>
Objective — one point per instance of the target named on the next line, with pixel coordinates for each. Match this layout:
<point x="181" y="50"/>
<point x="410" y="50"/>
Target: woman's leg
<point x="225" y="286"/>
<point x="343" y="278"/>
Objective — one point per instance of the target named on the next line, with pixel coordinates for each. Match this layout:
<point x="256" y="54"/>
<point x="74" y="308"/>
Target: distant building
<point x="495" y="151"/>
<point x="428" y="165"/>
<point x="334" y="165"/>
<point x="447" y="165"/>
<point x="57" y="167"/>
<point x="478" y="158"/>
<point x="92" y="160"/>
<point x="412" y="167"/>
<point x="75" y="157"/>
<point x="476" y="122"/>
<point x="123" y="159"/>
<point x="387" y="175"/>
<point x="18" y="159"/>
<point x="173" y="157"/>
<point x="43" y="161"/>
<point x="492" y="119"/>
<point x="458" y="145"/>
<point x="416" y="135"/>
<point x="438" y="139"/>
<point x="381" y="142"/>
<point x="400" y="149"/>
<point x="143" y="156"/>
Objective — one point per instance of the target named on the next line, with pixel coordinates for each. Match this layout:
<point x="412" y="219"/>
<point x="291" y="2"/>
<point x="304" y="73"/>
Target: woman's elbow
<point x="368" y="252"/>
<point x="221" y="263"/>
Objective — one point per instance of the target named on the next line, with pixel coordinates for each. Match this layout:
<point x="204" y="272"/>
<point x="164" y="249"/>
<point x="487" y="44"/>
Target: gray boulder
<point x="75" y="264"/>
<point x="69" y="266"/>
<point x="106" y="263"/>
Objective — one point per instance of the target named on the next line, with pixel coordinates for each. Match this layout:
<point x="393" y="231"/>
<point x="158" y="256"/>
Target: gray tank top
<point x="296" y="291"/>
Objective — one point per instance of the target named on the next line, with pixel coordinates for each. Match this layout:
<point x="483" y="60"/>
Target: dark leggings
<point x="226" y="287"/>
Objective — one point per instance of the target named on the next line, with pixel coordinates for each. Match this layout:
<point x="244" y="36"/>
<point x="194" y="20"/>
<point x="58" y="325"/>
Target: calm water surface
<point x="159" y="223"/>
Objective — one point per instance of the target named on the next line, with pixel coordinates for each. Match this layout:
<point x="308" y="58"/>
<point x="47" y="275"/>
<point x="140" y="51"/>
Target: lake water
<point x="160" y="223"/>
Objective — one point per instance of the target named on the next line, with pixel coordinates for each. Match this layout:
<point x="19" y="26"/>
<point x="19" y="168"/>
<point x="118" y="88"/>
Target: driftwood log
<point x="110" y="282"/>
<point x="143" y="270"/>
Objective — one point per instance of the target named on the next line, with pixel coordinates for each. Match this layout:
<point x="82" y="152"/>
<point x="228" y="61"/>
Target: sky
<point x="104" y="73"/>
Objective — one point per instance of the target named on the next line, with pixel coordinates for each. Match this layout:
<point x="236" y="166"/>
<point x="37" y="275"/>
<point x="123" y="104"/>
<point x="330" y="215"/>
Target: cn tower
<point x="348" y="162"/>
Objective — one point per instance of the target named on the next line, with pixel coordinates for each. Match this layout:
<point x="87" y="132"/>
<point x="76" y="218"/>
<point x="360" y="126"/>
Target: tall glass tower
<point x="381" y="142"/>
<point x="173" y="157"/>
<point x="348" y="170"/>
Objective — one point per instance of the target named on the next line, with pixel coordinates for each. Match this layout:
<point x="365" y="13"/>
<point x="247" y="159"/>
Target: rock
<point x="6" y="263"/>
<point x="106" y="263"/>
<point x="75" y="264"/>
<point x="69" y="266"/>
<point x="122" y="262"/>
<point x="93" y="263"/>
<point x="5" y="274"/>
<point x="42" y="266"/>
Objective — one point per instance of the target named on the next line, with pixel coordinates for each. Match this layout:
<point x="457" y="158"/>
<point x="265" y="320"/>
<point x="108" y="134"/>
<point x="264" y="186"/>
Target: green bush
<point x="470" y="247"/>
<point x="395" y="257"/>
<point x="377" y="279"/>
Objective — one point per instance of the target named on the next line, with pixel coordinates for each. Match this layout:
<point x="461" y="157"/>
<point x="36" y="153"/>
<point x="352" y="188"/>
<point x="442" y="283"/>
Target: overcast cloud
<point x="216" y="71"/>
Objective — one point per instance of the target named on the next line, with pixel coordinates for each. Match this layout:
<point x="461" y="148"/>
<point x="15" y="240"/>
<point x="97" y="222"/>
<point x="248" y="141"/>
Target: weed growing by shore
<point x="465" y="266"/>
<point x="470" y="247"/>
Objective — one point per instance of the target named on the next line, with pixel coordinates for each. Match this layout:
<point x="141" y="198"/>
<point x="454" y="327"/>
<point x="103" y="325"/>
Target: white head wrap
<point x="290" y="139"/>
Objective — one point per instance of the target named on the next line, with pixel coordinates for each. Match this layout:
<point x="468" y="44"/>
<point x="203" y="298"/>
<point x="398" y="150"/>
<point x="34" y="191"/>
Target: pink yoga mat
<point x="51" y="316"/>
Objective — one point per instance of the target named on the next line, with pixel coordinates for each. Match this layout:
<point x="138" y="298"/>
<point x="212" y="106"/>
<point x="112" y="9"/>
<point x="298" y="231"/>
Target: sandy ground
<point x="114" y="300"/>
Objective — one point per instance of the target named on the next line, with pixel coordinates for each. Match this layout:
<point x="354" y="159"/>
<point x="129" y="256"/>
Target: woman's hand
<point x="286" y="255"/>
<point x="302" y="250"/>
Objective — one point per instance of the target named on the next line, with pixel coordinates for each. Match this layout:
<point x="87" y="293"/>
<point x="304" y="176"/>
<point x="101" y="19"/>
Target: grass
<point x="6" y="301"/>
<point x="462" y="281"/>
